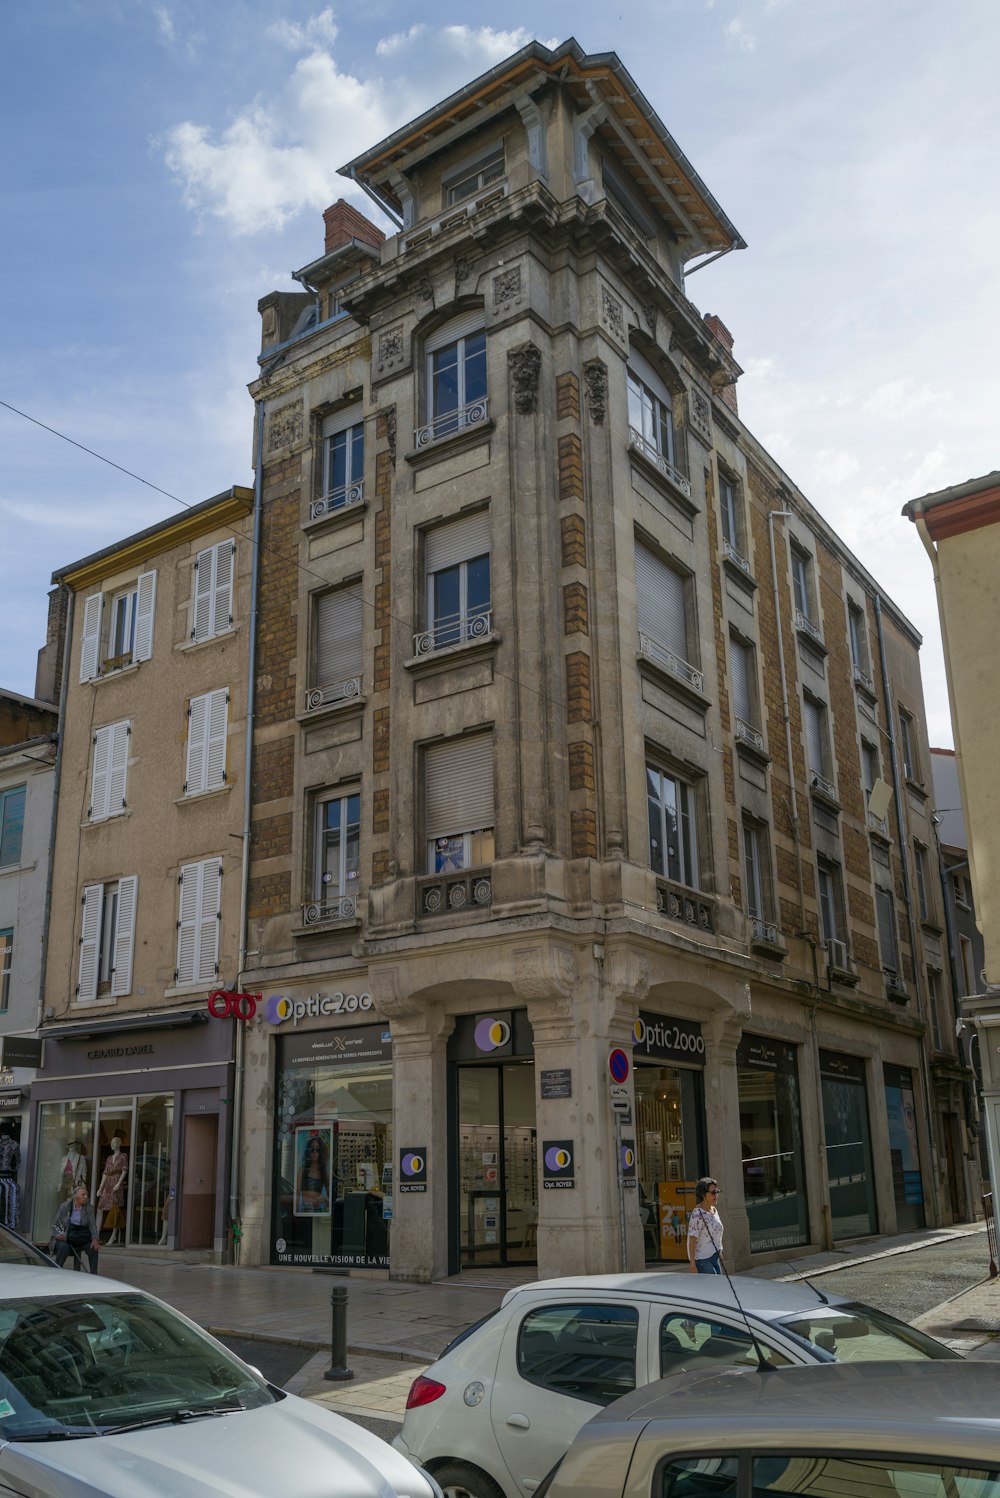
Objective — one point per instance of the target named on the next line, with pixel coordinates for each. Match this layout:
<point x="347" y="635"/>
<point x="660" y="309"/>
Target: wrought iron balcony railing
<point x="863" y="679"/>
<point x="878" y="824"/>
<point x="765" y="931"/>
<point x="747" y="734"/>
<point x="450" y="894"/>
<point x="653" y="455"/>
<point x="456" y="629"/>
<point x="818" y="782"/>
<point x="336" y="908"/>
<point x="736" y="557"/>
<point x="450" y="422"/>
<point x="340" y="691"/>
<point x="805" y="624"/>
<point x="337" y="499"/>
<point x="678" y="903"/>
<point x="668" y="661"/>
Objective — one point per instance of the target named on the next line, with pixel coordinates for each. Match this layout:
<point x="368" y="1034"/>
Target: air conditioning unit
<point x="837" y="955"/>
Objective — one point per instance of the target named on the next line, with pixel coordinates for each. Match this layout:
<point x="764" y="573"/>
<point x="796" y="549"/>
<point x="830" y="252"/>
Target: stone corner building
<point x="576" y="729"/>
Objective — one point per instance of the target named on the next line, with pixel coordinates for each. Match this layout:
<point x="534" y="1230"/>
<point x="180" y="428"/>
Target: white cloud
<point x="390" y="45"/>
<point x="164" y="24"/>
<point x="737" y="32"/>
<point x="900" y="398"/>
<point x="318" y="31"/>
<point x="838" y="467"/>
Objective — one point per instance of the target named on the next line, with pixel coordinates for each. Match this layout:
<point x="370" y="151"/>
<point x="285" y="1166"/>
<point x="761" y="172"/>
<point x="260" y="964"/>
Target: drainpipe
<point x="907" y="897"/>
<point x="63" y="686"/>
<point x="238" y="1063"/>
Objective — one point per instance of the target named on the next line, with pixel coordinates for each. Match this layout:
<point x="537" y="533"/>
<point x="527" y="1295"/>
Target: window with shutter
<point x="650" y="407"/>
<point x="213" y="590"/>
<point x="339" y="646"/>
<point x="343" y="467"/>
<point x="456" y="377"/>
<point x="817" y="750"/>
<point x="741" y="663"/>
<point x="459" y="803"/>
<point x="90" y="645"/>
<point x="145" y="607"/>
<point x="661" y="600"/>
<point x="90" y="938"/>
<point x="124" y="937"/>
<point x="457" y="567"/>
<point x="887" y="930"/>
<point x="198" y="921"/>
<point x="110" y="771"/>
<point x="208" y="722"/>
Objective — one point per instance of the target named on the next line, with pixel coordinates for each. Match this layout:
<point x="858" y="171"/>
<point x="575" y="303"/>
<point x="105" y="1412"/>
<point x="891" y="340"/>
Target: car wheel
<point x="461" y="1480"/>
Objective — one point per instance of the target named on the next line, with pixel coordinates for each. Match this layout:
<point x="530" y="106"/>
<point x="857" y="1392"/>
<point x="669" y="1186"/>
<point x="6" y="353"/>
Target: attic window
<point x="619" y="197"/>
<point x="472" y="177"/>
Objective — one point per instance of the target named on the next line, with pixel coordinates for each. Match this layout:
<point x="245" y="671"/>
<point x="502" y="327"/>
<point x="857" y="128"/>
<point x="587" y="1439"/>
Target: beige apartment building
<point x="147" y="881"/>
<point x="590" y="768"/>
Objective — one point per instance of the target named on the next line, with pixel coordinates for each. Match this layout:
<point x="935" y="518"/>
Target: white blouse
<point x="705" y="1227"/>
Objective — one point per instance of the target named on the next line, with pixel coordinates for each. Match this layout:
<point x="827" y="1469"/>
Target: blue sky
<point x="167" y="165"/>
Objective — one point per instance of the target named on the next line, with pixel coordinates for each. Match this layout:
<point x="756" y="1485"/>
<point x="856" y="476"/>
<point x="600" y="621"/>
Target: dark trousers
<point x="64" y="1249"/>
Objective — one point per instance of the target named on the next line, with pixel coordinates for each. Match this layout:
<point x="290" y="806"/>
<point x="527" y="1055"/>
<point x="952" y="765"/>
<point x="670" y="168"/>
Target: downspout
<point x="63" y="687"/>
<point x="904" y="837"/>
<point x="238" y="1062"/>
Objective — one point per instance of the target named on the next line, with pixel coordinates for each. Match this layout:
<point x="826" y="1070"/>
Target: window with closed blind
<point x="208" y="727"/>
<point x="110" y="771"/>
<point x="457" y="569"/>
<point x="214" y="570"/>
<point x="743" y="672"/>
<point x="338" y="647"/>
<point x="662" y="606"/>
<point x="459" y="812"/>
<point x="199" y="914"/>
<point x="888" y="945"/>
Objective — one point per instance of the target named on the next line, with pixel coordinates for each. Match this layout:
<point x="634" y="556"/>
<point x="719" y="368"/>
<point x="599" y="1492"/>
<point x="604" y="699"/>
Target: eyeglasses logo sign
<point x="413" y="1169"/>
<point x="558" y="1165"/>
<point x="628" y="1161"/>
<point x="278" y="1008"/>
<point x="491" y="1034"/>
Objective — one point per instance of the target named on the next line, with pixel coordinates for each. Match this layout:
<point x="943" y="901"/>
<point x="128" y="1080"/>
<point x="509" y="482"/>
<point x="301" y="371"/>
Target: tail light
<point x="424" y="1391"/>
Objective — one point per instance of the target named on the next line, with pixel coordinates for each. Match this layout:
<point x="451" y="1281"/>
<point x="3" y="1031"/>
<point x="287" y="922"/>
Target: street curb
<point x="314" y="1344"/>
<point x="886" y="1253"/>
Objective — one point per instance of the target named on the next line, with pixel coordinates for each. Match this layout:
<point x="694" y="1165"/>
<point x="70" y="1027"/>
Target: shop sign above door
<point x="660" y="1039"/>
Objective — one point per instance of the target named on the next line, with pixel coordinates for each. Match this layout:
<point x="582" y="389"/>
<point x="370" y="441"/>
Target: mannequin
<point x="10" y="1160"/>
<point x="111" y="1191"/>
<point x="73" y="1170"/>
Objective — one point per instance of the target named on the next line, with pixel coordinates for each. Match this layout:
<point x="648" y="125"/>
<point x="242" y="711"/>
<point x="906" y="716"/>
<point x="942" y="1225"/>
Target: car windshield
<point x="85" y="1365"/>
<point x="856" y="1334"/>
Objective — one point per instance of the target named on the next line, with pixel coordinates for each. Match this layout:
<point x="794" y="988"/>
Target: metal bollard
<point x="338" y="1371"/>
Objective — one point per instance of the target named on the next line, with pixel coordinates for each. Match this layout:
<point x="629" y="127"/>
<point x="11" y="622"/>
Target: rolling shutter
<point x="93" y="613"/>
<point x="661" y="601"/>
<point x="645" y="372"/>
<point x="886" y="930"/>
<point x="339" y="625"/>
<point x="458" y="541"/>
<point x="90" y="936"/>
<point x="815" y="736"/>
<point x="740" y="664"/>
<point x="145" y="606"/>
<point x="459" y="327"/>
<point x="121" y="971"/>
<point x="458" y="786"/>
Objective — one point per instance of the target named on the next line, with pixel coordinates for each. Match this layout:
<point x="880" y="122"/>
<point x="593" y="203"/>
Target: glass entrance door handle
<point x="521" y="1422"/>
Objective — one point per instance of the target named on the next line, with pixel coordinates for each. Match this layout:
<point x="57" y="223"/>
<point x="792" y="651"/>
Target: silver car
<point x="105" y="1390"/>
<point x="862" y="1430"/>
<point x="505" y="1400"/>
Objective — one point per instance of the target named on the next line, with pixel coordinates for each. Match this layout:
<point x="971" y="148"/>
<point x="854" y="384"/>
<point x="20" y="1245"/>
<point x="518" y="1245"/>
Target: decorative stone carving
<point x="507" y="286"/>
<point x="465" y="267"/>
<point x="546" y="972"/>
<point x="525" y="364"/>
<point x="700" y="412"/>
<point x="626" y="975"/>
<point x="390" y="436"/>
<point x="650" y="314"/>
<point x="423" y="288"/>
<point x="595" y="387"/>
<point x="612" y="314"/>
<point x="390" y="348"/>
<point x="284" y="427"/>
<point x="615" y="841"/>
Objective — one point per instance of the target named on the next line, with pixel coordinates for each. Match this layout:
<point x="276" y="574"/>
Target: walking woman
<point x="75" y="1229"/>
<point x="705" y="1229"/>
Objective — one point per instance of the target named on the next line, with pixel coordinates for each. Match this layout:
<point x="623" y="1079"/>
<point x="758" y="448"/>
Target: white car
<point x="106" y="1392"/>
<point x="505" y="1400"/>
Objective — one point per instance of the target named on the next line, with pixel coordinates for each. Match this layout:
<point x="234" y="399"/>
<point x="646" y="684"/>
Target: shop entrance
<point x="497" y="1199"/>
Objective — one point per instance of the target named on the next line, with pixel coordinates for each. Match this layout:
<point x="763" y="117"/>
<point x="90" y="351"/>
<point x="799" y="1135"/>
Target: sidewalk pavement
<point x="396" y="1328"/>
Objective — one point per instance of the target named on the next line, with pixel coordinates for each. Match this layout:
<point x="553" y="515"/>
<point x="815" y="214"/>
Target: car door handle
<point x="520" y="1421"/>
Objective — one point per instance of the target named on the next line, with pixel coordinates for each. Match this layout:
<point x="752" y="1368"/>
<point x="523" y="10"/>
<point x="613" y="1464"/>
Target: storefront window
<point x="65" y="1158"/>
<point x="670" y="1146"/>
<point x="904" y="1152"/>
<point x="771" y="1139"/>
<point x="848" y="1145"/>
<point x="150" y="1196"/>
<point x="332" y="1187"/>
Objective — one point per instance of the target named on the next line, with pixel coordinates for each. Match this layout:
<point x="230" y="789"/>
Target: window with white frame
<point x="110" y="771"/>
<point x="923" y="880"/>
<point x="459" y="814"/>
<point x="743" y="671"/>
<point x="968" y="964"/>
<point x="338" y="652"/>
<point x="456" y="377"/>
<point x="830" y="891"/>
<point x="199" y="918"/>
<point x="673" y="830"/>
<point x="107" y="939"/>
<point x="860" y="659"/>
<point x="337" y="861"/>
<point x="6" y="967"/>
<point x="960" y="891"/>
<point x="908" y="746"/>
<point x="208" y="727"/>
<point x="118" y="631"/>
<point x="214" y="570"/>
<point x="817" y="742"/>
<point x="731" y="508"/>
<point x="343" y="465"/>
<point x="468" y="180"/>
<point x="457" y="569"/>
<point x="802" y="584"/>
<point x="650" y="410"/>
<point x="756" y="870"/>
<point x="888" y="943"/>
<point x="870" y="768"/>
<point x="12" y="824"/>
<point x="663" y="595"/>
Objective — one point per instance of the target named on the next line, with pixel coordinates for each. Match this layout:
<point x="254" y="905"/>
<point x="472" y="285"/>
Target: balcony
<point x="337" y="499"/>
<point x="671" y="663"/>
<point x="822" y="786"/>
<point x="738" y="560"/>
<point x="454" y="217"/>
<point x="451" y="422"/>
<point x="894" y="986"/>
<point x="454" y="629"/>
<point x="766" y="938"/>
<point x="805" y="626"/>
<point x="452" y="894"/>
<point x="879" y="825"/>
<point x="332" y="696"/>
<point x="745" y="733"/>
<point x="678" y="903"/>
<point x="336" y="908"/>
<point x="638" y="443"/>
<point x="862" y="679"/>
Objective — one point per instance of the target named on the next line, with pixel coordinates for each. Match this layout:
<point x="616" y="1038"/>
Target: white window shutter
<point x="661" y="602"/>
<point x="222" y="591"/>
<point x="458" y="786"/>
<point x="197" y="745"/>
<point x="339" y="627"/>
<point x="121" y="974"/>
<point x="740" y="661"/>
<point x="215" y="744"/>
<point x="459" y="541"/>
<point x="204" y="578"/>
<point x="187" y="922"/>
<point x="209" y="919"/>
<point x="90" y="936"/>
<point x="100" y="783"/>
<point x="645" y="372"/>
<point x="90" y="648"/>
<point x="145" y="606"/>
<point x="815" y="748"/>
<point x="459" y="327"/>
<point x="118" y="770"/>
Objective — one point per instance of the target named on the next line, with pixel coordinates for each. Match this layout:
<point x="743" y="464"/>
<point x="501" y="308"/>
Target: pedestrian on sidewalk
<point x="704" y="1244"/>
<point x="75" y="1230"/>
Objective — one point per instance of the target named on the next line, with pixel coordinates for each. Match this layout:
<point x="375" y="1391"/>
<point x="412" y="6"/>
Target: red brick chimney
<point x="344" y="223"/>
<point x="718" y="329"/>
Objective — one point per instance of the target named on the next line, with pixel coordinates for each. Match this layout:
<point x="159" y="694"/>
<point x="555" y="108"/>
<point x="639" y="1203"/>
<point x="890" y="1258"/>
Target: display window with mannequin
<point x="111" y="1190"/>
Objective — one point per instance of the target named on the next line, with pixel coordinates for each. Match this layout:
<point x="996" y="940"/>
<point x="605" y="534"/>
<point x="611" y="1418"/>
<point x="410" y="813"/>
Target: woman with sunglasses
<point x="704" y="1242"/>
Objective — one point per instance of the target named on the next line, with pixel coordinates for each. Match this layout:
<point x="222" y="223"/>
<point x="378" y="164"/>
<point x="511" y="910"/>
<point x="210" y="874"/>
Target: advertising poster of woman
<point x="313" y="1151"/>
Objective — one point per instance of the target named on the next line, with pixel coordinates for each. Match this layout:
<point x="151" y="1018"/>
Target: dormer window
<point x="471" y="178"/>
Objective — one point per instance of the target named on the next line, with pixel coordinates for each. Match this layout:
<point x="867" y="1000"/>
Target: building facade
<point x="147" y="882"/>
<point x="585" y="854"/>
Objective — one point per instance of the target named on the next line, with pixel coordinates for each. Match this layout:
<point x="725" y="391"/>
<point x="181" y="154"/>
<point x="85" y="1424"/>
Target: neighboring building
<point x="545" y="763"/>
<point x="27" y="776"/>
<point x="147" y="877"/>
<point x="960" y="529"/>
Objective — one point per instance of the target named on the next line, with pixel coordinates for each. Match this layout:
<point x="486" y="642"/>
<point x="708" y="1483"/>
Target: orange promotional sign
<point x="676" y="1201"/>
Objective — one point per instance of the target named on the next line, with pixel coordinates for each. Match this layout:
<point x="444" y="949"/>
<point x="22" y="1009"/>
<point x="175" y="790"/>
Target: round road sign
<point x="618" y="1065"/>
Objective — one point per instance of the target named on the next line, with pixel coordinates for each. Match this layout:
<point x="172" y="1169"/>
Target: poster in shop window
<point x="313" y="1154"/>
<point x="674" y="1202"/>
